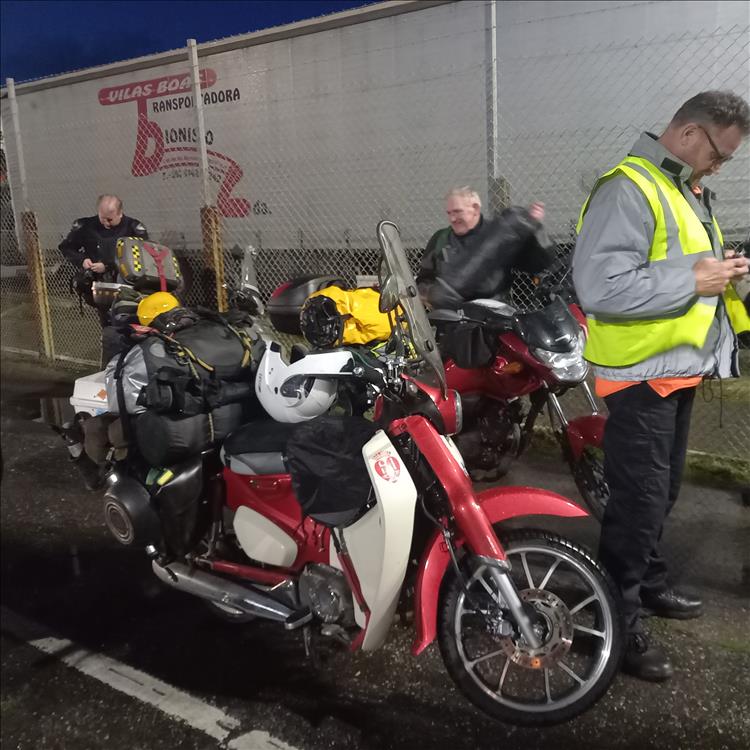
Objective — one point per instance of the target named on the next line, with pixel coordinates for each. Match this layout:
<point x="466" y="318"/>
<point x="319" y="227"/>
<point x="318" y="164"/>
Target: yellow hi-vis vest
<point x="679" y="236"/>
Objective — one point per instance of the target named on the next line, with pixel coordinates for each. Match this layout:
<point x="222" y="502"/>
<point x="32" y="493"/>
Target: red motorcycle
<point x="294" y="526"/>
<point x="494" y="355"/>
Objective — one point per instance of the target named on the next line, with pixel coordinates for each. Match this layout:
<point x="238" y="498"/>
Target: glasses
<point x="718" y="158"/>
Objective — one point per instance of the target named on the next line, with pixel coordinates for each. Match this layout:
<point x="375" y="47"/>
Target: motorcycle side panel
<point x="379" y="542"/>
<point x="272" y="497"/>
<point x="262" y="540"/>
<point x="499" y="504"/>
<point x="587" y="430"/>
<point x="511" y="374"/>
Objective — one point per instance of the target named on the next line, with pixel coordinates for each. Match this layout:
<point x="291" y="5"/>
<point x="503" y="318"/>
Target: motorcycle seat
<point x="496" y="305"/>
<point x="488" y="309"/>
<point x="257" y="448"/>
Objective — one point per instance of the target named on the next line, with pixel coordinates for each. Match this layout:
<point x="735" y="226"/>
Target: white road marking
<point x="142" y="686"/>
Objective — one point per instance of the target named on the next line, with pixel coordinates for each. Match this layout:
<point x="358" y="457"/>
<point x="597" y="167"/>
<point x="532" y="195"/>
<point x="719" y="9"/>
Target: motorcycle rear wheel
<point x="577" y="619"/>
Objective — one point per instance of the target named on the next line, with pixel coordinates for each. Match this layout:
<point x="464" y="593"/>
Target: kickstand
<point x="311" y="650"/>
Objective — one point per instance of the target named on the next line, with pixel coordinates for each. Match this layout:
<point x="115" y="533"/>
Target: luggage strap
<point x="73" y="285"/>
<point x="158" y="258"/>
<point x="244" y="338"/>
<point x="183" y="352"/>
<point x="121" y="407"/>
<point x="191" y="359"/>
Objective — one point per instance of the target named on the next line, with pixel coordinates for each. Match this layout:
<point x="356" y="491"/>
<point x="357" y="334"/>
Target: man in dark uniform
<point x="91" y="246"/>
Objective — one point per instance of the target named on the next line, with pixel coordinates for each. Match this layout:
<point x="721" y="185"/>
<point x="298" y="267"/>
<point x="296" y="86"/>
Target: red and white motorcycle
<point x="526" y="621"/>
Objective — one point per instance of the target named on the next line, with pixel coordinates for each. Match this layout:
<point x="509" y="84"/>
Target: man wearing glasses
<point x="657" y="288"/>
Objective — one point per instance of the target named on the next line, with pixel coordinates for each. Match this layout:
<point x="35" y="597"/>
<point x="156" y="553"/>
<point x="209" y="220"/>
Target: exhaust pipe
<point x="247" y="599"/>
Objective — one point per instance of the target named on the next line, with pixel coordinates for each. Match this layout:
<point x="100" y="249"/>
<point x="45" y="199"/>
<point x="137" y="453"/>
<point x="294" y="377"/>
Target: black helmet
<point x="321" y="322"/>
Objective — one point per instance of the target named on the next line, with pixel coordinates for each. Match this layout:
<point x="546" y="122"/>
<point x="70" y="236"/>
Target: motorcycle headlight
<point x="459" y="412"/>
<point x="567" y="367"/>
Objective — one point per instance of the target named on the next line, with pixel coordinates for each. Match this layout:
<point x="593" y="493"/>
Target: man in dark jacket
<point x="91" y="246"/>
<point x="474" y="256"/>
<point x="92" y="239"/>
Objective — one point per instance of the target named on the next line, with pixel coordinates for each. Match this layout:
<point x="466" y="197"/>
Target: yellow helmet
<point x="155" y="304"/>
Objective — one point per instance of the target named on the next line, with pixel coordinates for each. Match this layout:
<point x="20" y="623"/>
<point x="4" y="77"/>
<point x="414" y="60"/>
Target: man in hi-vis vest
<point x="655" y="283"/>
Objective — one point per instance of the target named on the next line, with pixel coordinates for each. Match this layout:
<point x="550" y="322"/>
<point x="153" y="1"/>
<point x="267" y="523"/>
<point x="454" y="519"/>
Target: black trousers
<point x="645" y="443"/>
<point x="113" y="341"/>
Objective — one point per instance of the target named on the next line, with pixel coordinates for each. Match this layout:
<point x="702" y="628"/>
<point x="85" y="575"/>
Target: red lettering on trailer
<point x="152" y="155"/>
<point x="129" y="92"/>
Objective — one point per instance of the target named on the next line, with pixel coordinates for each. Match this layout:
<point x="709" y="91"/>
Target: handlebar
<point x="550" y="283"/>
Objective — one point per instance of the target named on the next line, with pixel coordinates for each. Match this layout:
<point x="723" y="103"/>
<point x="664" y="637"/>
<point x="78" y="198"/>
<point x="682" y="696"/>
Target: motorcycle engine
<point x="491" y="436"/>
<point x="325" y="590"/>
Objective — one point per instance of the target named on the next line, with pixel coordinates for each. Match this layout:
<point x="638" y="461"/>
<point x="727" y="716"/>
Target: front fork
<point x="468" y="515"/>
<point x="555" y="408"/>
<point x="557" y="416"/>
<point x="500" y="573"/>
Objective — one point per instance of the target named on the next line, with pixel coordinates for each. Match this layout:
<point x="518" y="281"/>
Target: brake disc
<point x="555" y="628"/>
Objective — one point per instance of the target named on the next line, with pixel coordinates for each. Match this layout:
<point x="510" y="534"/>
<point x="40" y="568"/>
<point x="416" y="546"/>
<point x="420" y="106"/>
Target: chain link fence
<point x="20" y="329"/>
<point x="313" y="138"/>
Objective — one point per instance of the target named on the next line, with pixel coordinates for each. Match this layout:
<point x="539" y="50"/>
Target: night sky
<point x="41" y="38"/>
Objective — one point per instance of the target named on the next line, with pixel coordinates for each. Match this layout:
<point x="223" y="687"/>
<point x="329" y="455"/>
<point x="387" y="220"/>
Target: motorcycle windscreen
<point x="399" y="276"/>
<point x="554" y="328"/>
<point x="328" y="472"/>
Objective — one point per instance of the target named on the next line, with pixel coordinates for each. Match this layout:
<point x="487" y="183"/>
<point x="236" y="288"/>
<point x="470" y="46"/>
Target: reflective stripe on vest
<point x="679" y="236"/>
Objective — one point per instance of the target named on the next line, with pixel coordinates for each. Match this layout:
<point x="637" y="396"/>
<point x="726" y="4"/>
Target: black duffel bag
<point x="328" y="472"/>
<point x="165" y="439"/>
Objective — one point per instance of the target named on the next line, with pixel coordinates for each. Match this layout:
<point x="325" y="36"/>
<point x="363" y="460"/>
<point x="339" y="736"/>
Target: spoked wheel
<point x="588" y="473"/>
<point x="575" y="616"/>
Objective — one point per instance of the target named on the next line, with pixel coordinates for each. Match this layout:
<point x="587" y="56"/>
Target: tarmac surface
<point x="63" y="571"/>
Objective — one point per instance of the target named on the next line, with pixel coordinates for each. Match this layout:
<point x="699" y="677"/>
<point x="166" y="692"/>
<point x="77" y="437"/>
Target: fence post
<point x="213" y="246"/>
<point x="30" y="237"/>
<point x="498" y="189"/>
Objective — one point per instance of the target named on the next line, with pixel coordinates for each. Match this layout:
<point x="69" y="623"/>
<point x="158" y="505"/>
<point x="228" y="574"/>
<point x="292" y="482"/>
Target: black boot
<point x="89" y="471"/>
<point x="671" y="603"/>
<point x="72" y="436"/>
<point x="646" y="660"/>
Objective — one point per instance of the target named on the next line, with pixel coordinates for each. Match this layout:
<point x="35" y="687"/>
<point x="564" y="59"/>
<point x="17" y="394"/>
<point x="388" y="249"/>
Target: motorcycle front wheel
<point x="575" y="616"/>
<point x="588" y="473"/>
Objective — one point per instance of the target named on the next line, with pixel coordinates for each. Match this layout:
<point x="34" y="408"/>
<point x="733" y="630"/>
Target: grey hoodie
<point x="613" y="277"/>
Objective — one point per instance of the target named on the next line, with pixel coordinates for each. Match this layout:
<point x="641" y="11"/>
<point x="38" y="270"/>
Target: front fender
<point x="583" y="431"/>
<point x="499" y="504"/>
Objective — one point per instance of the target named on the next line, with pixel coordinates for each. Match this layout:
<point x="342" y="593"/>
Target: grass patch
<point x="717" y="471"/>
<point x="730" y="389"/>
<point x="733" y="645"/>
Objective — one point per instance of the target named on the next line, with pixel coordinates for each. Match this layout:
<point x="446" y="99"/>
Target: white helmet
<point x="302" y="390"/>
